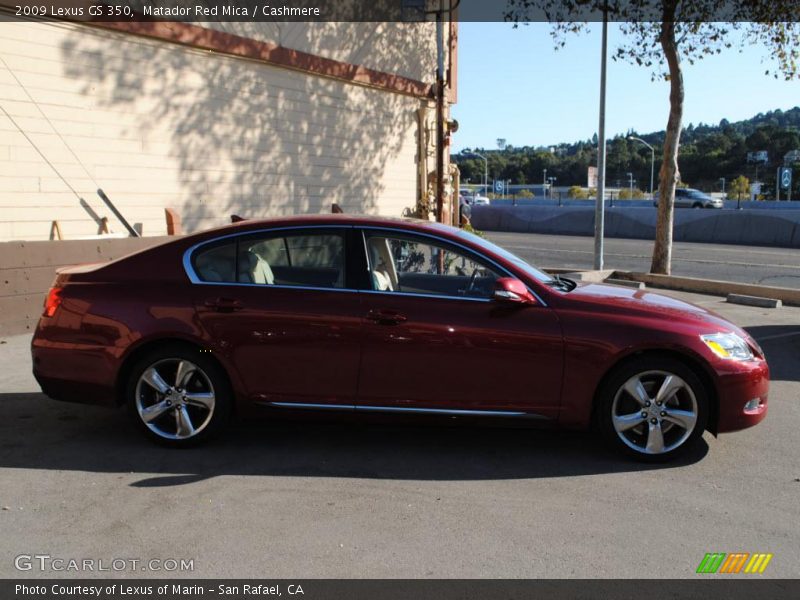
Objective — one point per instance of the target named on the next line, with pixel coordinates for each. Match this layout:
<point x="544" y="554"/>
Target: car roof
<point x="318" y="220"/>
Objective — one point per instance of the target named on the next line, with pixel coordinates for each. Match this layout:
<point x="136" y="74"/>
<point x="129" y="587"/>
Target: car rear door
<point x="434" y="340"/>
<point x="278" y="304"/>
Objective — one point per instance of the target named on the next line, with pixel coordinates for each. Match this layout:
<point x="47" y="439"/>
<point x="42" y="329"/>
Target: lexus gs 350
<point x="369" y="315"/>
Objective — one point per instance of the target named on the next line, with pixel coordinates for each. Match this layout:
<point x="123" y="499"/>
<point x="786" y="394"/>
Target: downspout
<point x="440" y="174"/>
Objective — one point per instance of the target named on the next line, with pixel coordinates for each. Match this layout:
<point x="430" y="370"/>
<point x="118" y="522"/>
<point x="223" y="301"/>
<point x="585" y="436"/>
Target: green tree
<point x="739" y="188"/>
<point x="660" y="35"/>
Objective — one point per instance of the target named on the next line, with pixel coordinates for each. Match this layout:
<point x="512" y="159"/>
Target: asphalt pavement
<point x="746" y="264"/>
<point x="326" y="499"/>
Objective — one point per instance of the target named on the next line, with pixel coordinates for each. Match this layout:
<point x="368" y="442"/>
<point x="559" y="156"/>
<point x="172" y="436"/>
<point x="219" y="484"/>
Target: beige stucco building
<point x="212" y="119"/>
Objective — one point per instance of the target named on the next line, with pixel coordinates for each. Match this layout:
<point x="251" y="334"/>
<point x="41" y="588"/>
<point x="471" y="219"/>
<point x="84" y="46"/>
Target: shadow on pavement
<point x="781" y="344"/>
<point x="38" y="433"/>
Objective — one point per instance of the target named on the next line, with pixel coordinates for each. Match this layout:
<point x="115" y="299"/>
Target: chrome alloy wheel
<point x="179" y="410"/>
<point x="654" y="412"/>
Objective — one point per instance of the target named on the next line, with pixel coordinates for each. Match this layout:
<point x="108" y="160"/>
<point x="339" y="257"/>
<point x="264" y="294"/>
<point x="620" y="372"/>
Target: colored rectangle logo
<point x="734" y="563"/>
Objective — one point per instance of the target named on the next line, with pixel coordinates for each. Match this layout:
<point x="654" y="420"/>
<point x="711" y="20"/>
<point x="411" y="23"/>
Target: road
<point x="745" y="264"/>
<point x="323" y="499"/>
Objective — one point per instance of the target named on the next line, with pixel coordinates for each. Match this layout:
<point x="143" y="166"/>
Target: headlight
<point x="728" y="345"/>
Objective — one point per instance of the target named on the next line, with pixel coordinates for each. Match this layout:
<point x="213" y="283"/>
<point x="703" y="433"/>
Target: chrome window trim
<point x="279" y="286"/>
<point x="193" y="278"/>
<point x="365" y="228"/>
<point x="463" y="412"/>
<point x="417" y="295"/>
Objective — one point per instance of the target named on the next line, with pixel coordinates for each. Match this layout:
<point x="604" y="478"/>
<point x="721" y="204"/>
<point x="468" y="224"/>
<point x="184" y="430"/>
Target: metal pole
<point x="778" y="186"/>
<point x="652" y="160"/>
<point x="117" y="214"/>
<point x="599" y="211"/>
<point x="544" y="183"/>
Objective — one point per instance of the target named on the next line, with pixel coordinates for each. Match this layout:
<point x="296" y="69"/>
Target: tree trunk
<point x="668" y="174"/>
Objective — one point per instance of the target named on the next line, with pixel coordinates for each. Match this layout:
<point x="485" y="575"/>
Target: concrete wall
<point x="27" y="270"/>
<point x="565" y="201"/>
<point x="750" y="227"/>
<point x="161" y="125"/>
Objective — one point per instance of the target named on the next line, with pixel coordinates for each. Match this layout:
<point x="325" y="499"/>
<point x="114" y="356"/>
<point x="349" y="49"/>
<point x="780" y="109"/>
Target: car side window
<point x="421" y="266"/>
<point x="293" y="258"/>
<point x="305" y="259"/>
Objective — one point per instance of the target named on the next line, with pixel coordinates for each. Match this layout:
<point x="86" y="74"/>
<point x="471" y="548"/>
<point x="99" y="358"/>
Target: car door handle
<point x="386" y="317"/>
<point x="224" y="304"/>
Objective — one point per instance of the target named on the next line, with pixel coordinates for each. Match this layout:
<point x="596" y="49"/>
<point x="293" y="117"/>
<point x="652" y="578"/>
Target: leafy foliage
<point x="739" y="188"/>
<point x="708" y="152"/>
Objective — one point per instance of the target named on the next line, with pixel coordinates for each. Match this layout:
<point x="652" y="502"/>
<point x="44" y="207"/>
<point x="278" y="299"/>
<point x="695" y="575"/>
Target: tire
<point x="697" y="205"/>
<point x="178" y="397"/>
<point x="632" y="420"/>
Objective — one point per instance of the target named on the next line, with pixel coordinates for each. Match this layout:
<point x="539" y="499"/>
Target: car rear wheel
<point x="653" y="409"/>
<point x="178" y="397"/>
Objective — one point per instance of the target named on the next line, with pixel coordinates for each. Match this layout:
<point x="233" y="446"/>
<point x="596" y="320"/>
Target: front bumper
<point x="744" y="383"/>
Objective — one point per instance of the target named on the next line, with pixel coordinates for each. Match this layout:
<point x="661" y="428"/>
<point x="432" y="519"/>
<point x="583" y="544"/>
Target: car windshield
<point x="699" y="195"/>
<point x="513" y="258"/>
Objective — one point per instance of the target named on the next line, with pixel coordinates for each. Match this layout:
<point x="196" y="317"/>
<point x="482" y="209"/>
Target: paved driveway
<point x="277" y="499"/>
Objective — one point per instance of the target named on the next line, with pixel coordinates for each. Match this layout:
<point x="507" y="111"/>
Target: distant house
<point x="211" y="119"/>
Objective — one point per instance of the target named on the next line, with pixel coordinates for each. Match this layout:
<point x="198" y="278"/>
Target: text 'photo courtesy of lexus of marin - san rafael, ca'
<point x="338" y="314"/>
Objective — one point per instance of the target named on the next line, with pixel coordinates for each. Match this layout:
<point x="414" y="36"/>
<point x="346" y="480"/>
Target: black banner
<point x="732" y="588"/>
<point x="400" y="10"/>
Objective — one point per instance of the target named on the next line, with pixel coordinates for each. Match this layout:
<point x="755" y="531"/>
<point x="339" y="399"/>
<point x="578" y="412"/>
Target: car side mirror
<point x="509" y="290"/>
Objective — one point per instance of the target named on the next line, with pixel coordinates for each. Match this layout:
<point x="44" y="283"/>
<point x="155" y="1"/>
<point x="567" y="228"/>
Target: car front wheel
<point x="178" y="397"/>
<point x="653" y="409"/>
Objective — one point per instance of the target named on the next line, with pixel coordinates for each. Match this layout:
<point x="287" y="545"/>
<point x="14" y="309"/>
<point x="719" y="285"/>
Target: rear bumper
<point x="750" y="383"/>
<point x="74" y="373"/>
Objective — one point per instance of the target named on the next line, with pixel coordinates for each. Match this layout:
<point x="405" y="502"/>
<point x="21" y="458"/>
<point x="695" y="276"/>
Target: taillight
<point x="52" y="301"/>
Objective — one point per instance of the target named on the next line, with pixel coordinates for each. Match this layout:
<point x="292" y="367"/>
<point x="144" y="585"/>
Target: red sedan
<point x="371" y="315"/>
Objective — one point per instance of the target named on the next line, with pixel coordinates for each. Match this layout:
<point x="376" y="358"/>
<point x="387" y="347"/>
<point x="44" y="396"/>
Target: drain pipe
<point x="440" y="113"/>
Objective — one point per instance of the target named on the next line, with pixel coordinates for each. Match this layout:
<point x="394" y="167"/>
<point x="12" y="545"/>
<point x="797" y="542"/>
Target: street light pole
<point x="722" y="179"/>
<point x="630" y="184"/>
<point x="653" y="162"/>
<point x="544" y="183"/>
<point x="599" y="210"/>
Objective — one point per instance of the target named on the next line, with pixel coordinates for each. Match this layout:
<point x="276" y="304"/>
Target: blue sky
<point x="512" y="84"/>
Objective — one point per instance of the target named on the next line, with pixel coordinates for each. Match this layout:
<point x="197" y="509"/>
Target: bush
<point x="628" y="194"/>
<point x="525" y="194"/>
<point x="577" y="192"/>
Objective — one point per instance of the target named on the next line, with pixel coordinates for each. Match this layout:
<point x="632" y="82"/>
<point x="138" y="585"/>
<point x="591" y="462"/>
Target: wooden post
<point x="173" y="222"/>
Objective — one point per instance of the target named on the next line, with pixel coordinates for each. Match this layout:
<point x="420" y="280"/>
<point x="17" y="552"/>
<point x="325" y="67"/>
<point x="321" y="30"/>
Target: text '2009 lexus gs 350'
<point x="368" y="315"/>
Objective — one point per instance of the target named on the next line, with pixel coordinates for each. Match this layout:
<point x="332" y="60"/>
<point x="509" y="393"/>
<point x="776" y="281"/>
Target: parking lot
<point x="371" y="499"/>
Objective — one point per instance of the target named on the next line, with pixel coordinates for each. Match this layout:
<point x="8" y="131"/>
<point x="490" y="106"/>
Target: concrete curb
<point x="754" y="301"/>
<point x="787" y="296"/>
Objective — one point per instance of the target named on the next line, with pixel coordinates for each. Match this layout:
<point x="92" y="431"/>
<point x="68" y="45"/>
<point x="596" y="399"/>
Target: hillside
<point x="708" y="153"/>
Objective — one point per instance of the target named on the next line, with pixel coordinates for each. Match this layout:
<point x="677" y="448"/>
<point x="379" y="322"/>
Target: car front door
<point x="279" y="306"/>
<point x="434" y="340"/>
